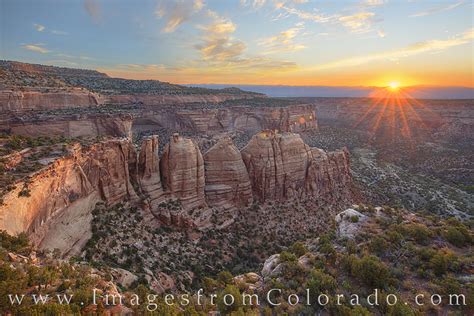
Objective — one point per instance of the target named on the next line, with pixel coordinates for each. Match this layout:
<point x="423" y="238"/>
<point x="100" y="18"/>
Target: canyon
<point x="57" y="211"/>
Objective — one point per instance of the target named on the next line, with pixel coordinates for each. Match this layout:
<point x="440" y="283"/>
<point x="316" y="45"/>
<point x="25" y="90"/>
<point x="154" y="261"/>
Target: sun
<point x="394" y="85"/>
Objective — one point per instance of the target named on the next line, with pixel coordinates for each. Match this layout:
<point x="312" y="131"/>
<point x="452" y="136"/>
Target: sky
<point x="264" y="42"/>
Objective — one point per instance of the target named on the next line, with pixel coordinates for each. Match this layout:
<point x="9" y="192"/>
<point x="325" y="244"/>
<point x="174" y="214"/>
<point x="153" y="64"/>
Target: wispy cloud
<point x="256" y="4"/>
<point x="415" y="49"/>
<point x="177" y="13"/>
<point x="38" y="48"/>
<point x="438" y="9"/>
<point x="42" y="28"/>
<point x="39" y="27"/>
<point x="373" y="3"/>
<point x="57" y="32"/>
<point x="358" y="22"/>
<point x="217" y="42"/>
<point x="283" y="41"/>
<point x="221" y="51"/>
<point x="93" y="9"/>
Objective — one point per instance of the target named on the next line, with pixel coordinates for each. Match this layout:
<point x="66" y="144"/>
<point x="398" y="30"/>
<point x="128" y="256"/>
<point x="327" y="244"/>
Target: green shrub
<point x="457" y="236"/>
<point x="378" y="245"/>
<point x="286" y="256"/>
<point x="298" y="248"/>
<point x="370" y="271"/>
<point x="439" y="264"/>
<point x="419" y="232"/>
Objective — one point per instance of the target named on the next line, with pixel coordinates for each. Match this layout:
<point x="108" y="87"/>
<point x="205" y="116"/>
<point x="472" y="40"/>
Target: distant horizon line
<point x="310" y="86"/>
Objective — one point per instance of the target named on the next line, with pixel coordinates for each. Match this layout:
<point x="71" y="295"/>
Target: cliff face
<point x="293" y="118"/>
<point x="282" y="166"/>
<point x="273" y="166"/>
<point x="13" y="100"/>
<point x="227" y="180"/>
<point x="149" y="171"/>
<point x="328" y="174"/>
<point x="75" y="126"/>
<point x="58" y="211"/>
<point x="182" y="167"/>
<point x="25" y="100"/>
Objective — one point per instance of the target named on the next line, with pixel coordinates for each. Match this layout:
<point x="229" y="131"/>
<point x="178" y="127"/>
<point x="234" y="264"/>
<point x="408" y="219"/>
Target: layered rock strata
<point x="282" y="166"/>
<point x="182" y="168"/>
<point x="56" y="211"/>
<point x="227" y="180"/>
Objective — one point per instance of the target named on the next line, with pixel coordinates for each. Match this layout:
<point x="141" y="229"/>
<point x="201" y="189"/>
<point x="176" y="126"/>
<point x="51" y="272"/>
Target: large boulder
<point x="348" y="223"/>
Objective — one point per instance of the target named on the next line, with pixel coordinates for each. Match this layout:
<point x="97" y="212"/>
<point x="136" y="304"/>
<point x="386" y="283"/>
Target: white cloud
<point x="176" y="13"/>
<point x="430" y="46"/>
<point x="38" y="48"/>
<point x="221" y="51"/>
<point x="438" y="9"/>
<point x="373" y="3"/>
<point x="256" y="4"/>
<point x="57" y="32"/>
<point x="217" y="42"/>
<point x="39" y="27"/>
<point x="283" y="41"/>
<point x="358" y="22"/>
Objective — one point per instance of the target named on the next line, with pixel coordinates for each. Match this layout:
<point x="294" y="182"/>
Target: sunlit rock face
<point x="273" y="166"/>
<point x="282" y="166"/>
<point x="57" y="212"/>
<point x="182" y="168"/>
<point x="227" y="180"/>
<point x="13" y="100"/>
<point x="276" y="164"/>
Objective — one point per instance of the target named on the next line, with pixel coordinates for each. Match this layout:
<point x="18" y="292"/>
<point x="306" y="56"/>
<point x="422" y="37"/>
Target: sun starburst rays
<point x="393" y="113"/>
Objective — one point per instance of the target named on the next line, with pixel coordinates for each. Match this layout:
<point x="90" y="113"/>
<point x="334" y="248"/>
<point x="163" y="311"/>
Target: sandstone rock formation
<point x="328" y="174"/>
<point x="227" y="180"/>
<point x="273" y="166"/>
<point x="282" y="166"/>
<point x="13" y="100"/>
<point x="229" y="118"/>
<point x="182" y="168"/>
<point x="149" y="170"/>
<point x="57" y="212"/>
<point x="71" y="126"/>
<point x="276" y="164"/>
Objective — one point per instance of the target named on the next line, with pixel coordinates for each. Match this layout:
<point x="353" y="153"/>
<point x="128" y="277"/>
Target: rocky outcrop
<point x="277" y="165"/>
<point x="227" y="180"/>
<point x="182" y="168"/>
<point x="72" y="126"/>
<point x="282" y="166"/>
<point x="348" y="223"/>
<point x="328" y="174"/>
<point x="234" y="118"/>
<point x="149" y="171"/>
<point x="56" y="212"/>
<point x="56" y="208"/>
<point x="14" y="100"/>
